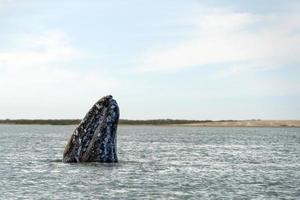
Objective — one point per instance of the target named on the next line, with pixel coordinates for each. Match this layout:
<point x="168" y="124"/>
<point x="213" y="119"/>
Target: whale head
<point x="95" y="138"/>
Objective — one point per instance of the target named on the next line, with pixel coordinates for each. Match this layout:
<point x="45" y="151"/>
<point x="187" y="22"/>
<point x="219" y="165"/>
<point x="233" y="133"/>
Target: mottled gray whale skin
<point x="95" y="138"/>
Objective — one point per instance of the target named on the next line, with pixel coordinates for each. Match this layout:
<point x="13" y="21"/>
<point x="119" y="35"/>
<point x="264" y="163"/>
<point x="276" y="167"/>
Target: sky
<point x="225" y="59"/>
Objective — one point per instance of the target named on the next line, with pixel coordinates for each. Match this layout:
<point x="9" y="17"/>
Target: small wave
<point x="53" y="160"/>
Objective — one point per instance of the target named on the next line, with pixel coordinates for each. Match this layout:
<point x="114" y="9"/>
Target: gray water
<point x="155" y="163"/>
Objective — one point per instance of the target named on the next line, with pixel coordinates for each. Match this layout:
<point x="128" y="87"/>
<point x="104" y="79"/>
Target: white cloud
<point x="5" y="1"/>
<point x="38" y="74"/>
<point x="228" y="37"/>
<point x="34" y="51"/>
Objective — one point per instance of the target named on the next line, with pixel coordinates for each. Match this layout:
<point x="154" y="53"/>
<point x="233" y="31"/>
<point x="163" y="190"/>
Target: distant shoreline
<point x="166" y="122"/>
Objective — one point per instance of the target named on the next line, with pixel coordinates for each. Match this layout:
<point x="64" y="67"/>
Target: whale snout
<point x="94" y="140"/>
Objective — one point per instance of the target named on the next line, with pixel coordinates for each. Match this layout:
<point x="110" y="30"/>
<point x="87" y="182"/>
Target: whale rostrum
<point x="95" y="138"/>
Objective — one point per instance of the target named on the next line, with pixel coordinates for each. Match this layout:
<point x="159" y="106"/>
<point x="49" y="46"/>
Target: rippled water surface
<point x="155" y="163"/>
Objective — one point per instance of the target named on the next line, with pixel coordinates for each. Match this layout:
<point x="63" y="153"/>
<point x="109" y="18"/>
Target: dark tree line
<point x="122" y="121"/>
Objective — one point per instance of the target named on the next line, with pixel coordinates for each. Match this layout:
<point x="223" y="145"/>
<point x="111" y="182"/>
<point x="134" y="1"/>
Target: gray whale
<point x="95" y="138"/>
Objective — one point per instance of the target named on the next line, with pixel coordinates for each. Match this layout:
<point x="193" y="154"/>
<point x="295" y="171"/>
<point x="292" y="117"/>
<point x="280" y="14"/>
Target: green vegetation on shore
<point x="160" y="122"/>
<point x="41" y="121"/>
<point x="122" y="121"/>
<point x="169" y="122"/>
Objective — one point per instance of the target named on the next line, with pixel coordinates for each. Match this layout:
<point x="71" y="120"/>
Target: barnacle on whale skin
<point x="94" y="140"/>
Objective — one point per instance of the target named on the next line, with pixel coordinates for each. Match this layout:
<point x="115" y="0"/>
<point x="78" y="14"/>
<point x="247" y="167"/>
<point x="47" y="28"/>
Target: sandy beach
<point x="247" y="123"/>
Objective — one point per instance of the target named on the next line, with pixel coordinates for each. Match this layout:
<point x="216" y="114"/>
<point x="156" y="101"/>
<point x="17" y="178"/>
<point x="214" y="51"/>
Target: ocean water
<point x="155" y="163"/>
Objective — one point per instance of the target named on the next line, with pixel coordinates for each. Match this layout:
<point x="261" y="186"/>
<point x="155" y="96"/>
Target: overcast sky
<point x="225" y="59"/>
